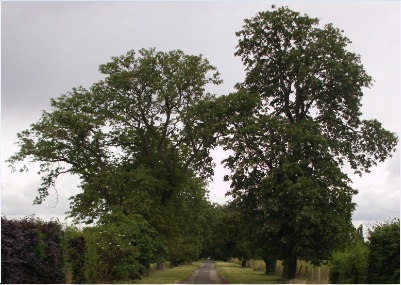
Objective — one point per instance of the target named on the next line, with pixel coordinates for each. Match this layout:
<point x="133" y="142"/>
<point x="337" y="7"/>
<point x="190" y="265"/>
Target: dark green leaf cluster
<point x="76" y="253"/>
<point x="301" y="71"/>
<point x="384" y="255"/>
<point x="220" y="235"/>
<point x="375" y="262"/>
<point x="121" y="248"/>
<point x="300" y="125"/>
<point x="134" y="142"/>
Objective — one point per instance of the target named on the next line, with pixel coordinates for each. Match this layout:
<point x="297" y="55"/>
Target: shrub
<point x="76" y="254"/>
<point x="31" y="251"/>
<point x="350" y="266"/>
<point x="120" y="248"/>
<point x="384" y="256"/>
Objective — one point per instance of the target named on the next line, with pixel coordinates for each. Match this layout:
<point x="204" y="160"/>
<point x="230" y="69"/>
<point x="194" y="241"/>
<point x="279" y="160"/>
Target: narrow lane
<point x="205" y="274"/>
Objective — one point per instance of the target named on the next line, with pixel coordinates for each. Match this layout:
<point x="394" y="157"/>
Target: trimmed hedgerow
<point x="31" y="251"/>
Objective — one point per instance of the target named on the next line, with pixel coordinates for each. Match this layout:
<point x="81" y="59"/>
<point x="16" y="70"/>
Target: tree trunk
<point x="290" y="268"/>
<point x="243" y="264"/>
<point x="147" y="270"/>
<point x="159" y="266"/>
<point x="270" y="264"/>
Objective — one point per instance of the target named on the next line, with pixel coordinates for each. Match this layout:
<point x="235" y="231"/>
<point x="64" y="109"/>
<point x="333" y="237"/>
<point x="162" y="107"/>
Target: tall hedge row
<point x="31" y="251"/>
<point x="384" y="254"/>
<point x="119" y="248"/>
<point x="376" y="261"/>
<point x="76" y="252"/>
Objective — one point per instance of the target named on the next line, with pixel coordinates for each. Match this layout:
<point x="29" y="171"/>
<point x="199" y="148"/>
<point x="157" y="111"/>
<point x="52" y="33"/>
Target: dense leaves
<point x="350" y="265"/>
<point x="384" y="256"/>
<point x="140" y="142"/>
<point x="133" y="123"/>
<point x="122" y="247"/>
<point x="76" y="252"/>
<point x="31" y="251"/>
<point x="302" y="71"/>
<point x="375" y="262"/>
<point x="287" y="150"/>
<point x="131" y="139"/>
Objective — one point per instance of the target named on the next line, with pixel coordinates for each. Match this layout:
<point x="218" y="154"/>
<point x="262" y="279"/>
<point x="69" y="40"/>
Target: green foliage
<point x="300" y="125"/>
<point x="133" y="141"/>
<point x="219" y="239"/>
<point x="384" y="256"/>
<point x="187" y="221"/>
<point x="351" y="265"/>
<point x="120" y="248"/>
<point x="133" y="123"/>
<point x="375" y="262"/>
<point x="76" y="252"/>
<point x="139" y="140"/>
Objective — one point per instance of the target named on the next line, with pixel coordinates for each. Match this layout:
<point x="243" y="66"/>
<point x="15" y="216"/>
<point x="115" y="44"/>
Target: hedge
<point x="31" y="251"/>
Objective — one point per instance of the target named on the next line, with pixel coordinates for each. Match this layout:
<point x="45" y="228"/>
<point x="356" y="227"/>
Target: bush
<point x="384" y="256"/>
<point x="121" y="248"/>
<point x="350" y="266"/>
<point x="31" y="251"/>
<point x="76" y="254"/>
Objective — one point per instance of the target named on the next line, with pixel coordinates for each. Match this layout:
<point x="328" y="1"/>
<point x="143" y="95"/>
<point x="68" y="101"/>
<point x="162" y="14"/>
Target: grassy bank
<point x="235" y="274"/>
<point x="169" y="275"/>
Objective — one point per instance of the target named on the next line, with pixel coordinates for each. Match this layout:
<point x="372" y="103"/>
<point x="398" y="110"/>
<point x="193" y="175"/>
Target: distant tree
<point x="187" y="222"/>
<point x="298" y="123"/>
<point x="219" y="239"/>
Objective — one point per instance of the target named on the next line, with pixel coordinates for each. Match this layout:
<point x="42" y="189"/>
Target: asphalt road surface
<point x="205" y="274"/>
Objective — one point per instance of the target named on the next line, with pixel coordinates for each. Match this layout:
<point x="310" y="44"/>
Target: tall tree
<point x="304" y="127"/>
<point x="129" y="138"/>
<point x="133" y="123"/>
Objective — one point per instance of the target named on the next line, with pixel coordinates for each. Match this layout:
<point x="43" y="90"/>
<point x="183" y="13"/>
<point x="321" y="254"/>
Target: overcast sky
<point x="49" y="47"/>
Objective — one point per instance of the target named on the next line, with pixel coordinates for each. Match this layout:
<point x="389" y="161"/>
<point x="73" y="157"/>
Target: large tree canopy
<point x="132" y="140"/>
<point x="130" y="128"/>
<point x="303" y="71"/>
<point x="140" y="140"/>
<point x="298" y="124"/>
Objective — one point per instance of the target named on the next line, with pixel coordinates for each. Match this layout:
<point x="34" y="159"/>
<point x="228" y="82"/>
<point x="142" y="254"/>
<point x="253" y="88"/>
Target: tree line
<point x="140" y="142"/>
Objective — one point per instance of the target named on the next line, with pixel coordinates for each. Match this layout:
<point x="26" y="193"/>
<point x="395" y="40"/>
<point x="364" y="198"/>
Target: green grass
<point x="167" y="275"/>
<point x="306" y="273"/>
<point x="235" y="274"/>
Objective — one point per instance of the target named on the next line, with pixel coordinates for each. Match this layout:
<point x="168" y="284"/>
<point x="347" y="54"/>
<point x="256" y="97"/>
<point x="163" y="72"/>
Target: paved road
<point x="205" y="274"/>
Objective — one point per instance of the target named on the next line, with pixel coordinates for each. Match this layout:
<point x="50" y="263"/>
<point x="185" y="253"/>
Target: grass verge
<point x="166" y="276"/>
<point x="235" y="274"/>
